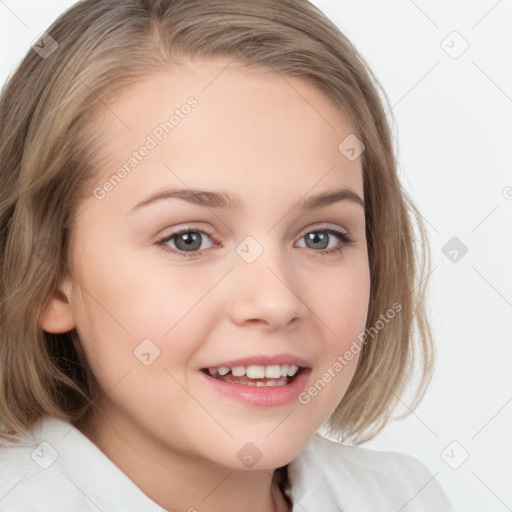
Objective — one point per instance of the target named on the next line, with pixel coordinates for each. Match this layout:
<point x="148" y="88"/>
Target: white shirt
<point x="58" y="469"/>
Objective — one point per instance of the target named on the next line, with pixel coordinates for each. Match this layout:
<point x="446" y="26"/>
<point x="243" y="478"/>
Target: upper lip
<point x="263" y="360"/>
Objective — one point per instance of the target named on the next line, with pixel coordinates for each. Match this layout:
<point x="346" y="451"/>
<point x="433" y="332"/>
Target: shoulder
<point x="31" y="479"/>
<point x="56" y="468"/>
<point x="360" y="479"/>
<point x="366" y="463"/>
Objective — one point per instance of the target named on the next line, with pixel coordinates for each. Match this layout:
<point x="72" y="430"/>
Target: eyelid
<point x="325" y="226"/>
<point x="185" y="229"/>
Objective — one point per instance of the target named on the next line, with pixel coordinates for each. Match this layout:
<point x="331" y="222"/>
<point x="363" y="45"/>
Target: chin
<point x="260" y="453"/>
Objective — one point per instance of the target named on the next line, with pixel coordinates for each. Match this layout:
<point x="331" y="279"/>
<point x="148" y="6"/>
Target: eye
<point x="190" y="241"/>
<point x="326" y="241"/>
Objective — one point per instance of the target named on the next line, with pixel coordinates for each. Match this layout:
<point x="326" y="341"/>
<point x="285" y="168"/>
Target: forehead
<point x="213" y="124"/>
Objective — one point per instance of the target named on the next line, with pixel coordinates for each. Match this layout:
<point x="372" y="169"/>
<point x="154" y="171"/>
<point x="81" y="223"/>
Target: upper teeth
<point x="254" y="371"/>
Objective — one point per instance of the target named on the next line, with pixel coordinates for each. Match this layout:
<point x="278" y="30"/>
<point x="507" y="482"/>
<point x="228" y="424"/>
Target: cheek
<point x="122" y="304"/>
<point x="341" y="302"/>
<point x="140" y="297"/>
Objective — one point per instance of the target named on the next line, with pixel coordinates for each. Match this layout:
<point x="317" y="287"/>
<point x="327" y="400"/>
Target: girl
<point x="206" y="257"/>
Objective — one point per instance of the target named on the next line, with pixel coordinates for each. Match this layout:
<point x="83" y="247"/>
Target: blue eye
<point x="189" y="243"/>
<point x="185" y="241"/>
<point x="321" y="239"/>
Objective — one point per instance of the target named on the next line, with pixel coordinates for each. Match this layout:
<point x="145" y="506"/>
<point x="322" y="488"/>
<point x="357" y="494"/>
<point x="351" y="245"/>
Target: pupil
<point x="188" y="241"/>
<point x="317" y="238"/>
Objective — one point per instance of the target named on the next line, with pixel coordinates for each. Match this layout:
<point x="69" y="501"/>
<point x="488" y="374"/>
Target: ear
<point x="58" y="316"/>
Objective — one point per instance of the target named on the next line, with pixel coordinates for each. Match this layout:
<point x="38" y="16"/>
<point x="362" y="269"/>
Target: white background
<point x="454" y="135"/>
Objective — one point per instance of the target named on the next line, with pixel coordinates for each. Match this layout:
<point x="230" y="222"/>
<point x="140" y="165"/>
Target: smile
<point x="256" y="375"/>
<point x="259" y="381"/>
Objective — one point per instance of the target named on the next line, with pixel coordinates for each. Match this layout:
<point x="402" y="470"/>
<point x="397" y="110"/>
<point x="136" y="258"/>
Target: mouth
<point x="260" y="380"/>
<point x="276" y="375"/>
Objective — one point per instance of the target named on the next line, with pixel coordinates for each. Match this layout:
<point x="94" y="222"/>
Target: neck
<point x="180" y="481"/>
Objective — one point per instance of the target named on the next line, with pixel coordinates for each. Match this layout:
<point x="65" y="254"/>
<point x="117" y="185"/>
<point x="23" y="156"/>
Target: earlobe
<point x="58" y="316"/>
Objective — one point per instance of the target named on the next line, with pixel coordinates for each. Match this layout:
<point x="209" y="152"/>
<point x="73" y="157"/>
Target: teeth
<point x="292" y="370"/>
<point x="268" y="383"/>
<point x="273" y="372"/>
<point x="238" y="371"/>
<point x="254" y="371"/>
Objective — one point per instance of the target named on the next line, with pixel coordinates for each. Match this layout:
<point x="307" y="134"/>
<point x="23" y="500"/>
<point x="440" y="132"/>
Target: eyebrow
<point x="210" y="199"/>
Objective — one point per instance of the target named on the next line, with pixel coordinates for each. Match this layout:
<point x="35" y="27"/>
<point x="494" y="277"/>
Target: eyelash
<point x="344" y="238"/>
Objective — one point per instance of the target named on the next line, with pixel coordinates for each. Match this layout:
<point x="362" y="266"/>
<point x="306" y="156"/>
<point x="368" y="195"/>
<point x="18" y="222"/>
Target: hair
<point x="47" y="165"/>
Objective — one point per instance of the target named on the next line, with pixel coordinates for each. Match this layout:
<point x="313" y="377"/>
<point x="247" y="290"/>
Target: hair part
<point x="48" y="152"/>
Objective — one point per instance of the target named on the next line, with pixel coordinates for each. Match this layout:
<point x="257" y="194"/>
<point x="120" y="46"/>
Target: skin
<point x="271" y="142"/>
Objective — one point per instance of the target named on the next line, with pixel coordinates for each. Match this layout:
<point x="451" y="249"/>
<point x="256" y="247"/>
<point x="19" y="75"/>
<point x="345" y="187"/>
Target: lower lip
<point x="263" y="396"/>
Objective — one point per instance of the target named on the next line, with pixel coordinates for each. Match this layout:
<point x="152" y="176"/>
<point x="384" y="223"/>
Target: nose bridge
<point x="266" y="289"/>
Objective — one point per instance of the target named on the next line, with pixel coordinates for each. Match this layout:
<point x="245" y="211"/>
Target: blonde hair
<point x="47" y="109"/>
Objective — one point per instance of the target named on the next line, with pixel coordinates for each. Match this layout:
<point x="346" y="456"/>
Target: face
<point x="235" y="242"/>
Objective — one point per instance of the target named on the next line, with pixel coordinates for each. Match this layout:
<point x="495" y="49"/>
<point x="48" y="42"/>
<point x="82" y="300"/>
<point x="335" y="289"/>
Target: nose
<point x="266" y="293"/>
